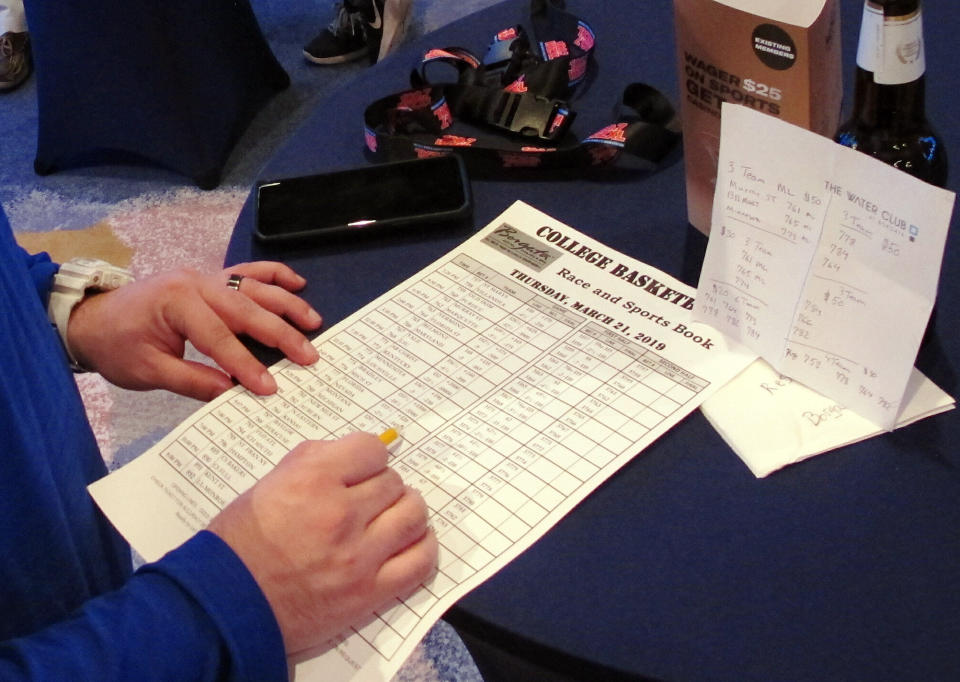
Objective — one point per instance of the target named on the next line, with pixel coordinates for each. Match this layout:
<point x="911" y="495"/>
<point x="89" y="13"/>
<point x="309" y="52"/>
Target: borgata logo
<point x="377" y="20"/>
<point x="521" y="247"/>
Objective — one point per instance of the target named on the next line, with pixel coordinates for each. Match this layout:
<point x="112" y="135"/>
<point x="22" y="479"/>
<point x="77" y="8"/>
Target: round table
<point x="683" y="565"/>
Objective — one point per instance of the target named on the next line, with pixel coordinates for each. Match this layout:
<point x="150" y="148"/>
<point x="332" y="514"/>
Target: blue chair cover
<point x="174" y="83"/>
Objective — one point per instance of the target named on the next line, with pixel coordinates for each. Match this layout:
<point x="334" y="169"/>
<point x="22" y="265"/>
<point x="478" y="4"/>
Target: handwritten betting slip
<point x="521" y="370"/>
<point x="823" y="260"/>
<point x="788" y="422"/>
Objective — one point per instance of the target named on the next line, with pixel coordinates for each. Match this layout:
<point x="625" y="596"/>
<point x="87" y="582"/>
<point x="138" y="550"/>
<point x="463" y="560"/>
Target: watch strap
<point x="70" y="286"/>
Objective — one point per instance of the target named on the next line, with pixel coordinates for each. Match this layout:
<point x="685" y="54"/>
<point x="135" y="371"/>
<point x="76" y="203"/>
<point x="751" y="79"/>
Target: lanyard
<point x="512" y="109"/>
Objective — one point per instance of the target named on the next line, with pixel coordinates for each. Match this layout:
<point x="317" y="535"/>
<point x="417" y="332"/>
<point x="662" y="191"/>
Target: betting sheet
<point x="521" y="371"/>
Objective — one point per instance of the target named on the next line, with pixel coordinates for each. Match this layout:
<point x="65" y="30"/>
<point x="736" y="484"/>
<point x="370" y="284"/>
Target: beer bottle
<point x="889" y="120"/>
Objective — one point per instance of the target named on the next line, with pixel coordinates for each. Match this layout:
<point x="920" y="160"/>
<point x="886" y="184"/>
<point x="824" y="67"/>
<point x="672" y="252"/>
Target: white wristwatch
<point x="70" y="286"/>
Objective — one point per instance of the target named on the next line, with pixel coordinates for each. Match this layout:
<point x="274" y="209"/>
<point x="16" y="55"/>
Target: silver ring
<point x="234" y="281"/>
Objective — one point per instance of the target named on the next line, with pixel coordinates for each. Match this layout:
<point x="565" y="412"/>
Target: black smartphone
<point x="364" y="200"/>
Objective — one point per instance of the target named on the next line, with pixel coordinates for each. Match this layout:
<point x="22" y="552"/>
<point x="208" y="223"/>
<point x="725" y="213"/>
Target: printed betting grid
<point x="506" y="402"/>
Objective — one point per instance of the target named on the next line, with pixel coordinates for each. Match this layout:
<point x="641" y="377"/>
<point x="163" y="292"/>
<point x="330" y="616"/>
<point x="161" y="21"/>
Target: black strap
<point x="512" y="108"/>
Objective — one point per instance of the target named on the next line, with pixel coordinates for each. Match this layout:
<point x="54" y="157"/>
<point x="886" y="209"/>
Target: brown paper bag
<point x="781" y="57"/>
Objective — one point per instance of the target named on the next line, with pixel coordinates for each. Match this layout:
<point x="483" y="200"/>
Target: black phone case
<point x="401" y="170"/>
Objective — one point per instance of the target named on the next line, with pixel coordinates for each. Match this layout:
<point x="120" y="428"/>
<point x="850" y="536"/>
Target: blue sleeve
<point x="197" y="614"/>
<point x="41" y="270"/>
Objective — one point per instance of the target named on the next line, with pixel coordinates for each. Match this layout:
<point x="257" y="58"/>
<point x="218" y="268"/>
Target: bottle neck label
<point x="891" y="48"/>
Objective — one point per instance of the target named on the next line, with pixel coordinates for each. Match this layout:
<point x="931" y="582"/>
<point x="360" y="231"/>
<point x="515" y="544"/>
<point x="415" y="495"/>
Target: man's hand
<point x="330" y="535"/>
<point x="135" y="335"/>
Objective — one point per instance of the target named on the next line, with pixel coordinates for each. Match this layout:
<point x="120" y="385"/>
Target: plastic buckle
<point x="531" y="115"/>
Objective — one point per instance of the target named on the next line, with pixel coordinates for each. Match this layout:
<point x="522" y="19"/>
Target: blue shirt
<point x="69" y="606"/>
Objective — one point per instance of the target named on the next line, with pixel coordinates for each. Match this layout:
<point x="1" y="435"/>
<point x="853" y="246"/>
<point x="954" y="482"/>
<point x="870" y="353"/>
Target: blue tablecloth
<point x="684" y="566"/>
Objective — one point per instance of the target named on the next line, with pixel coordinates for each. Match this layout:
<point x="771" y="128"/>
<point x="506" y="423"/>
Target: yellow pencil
<point x="388" y="436"/>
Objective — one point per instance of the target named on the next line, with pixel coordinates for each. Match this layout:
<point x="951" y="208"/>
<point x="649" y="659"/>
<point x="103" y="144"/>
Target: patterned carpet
<point x="150" y="220"/>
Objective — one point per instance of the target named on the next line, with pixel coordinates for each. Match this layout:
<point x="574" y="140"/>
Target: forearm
<point x="41" y="270"/>
<point x="194" y="615"/>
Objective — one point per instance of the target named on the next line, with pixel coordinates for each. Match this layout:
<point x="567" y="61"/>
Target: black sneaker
<point x="386" y="26"/>
<point x="344" y="40"/>
<point x="15" y="63"/>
